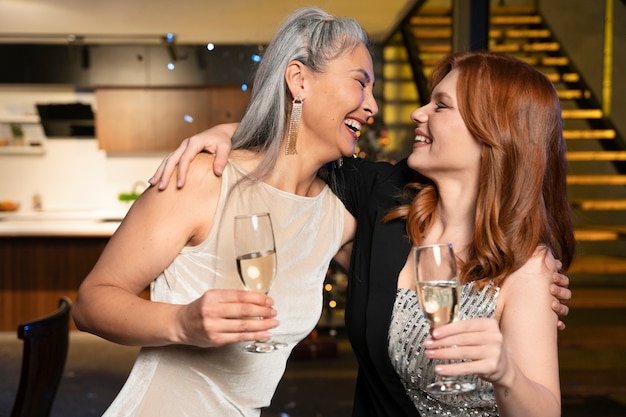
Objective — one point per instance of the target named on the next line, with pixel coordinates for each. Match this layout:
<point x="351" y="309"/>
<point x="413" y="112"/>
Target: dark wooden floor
<point x="96" y="369"/>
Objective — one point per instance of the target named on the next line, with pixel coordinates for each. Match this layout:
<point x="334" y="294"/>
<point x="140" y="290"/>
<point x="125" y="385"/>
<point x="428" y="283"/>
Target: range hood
<point x="70" y="120"/>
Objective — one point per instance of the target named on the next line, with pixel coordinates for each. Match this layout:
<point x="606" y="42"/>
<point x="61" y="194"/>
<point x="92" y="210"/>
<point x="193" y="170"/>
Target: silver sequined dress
<point x="407" y="333"/>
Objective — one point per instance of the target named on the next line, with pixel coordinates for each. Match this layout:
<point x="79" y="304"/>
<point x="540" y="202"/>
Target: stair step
<point x="601" y="233"/>
<point x="505" y="48"/>
<point x="433" y="20"/>
<point x="556" y="77"/>
<point x="439" y="33"/>
<point x="589" y="134"/>
<point x="512" y="9"/>
<point x="573" y="94"/>
<point x="541" y="47"/>
<point x="519" y="33"/>
<point x="607" y="204"/>
<point x="516" y="20"/>
<point x="596" y="156"/>
<point x="547" y="61"/>
<point x="599" y="264"/>
<point x="524" y="47"/>
<point x="582" y="113"/>
<point x="596" y="179"/>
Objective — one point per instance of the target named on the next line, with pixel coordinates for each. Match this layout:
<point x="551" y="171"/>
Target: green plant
<point x="16" y="130"/>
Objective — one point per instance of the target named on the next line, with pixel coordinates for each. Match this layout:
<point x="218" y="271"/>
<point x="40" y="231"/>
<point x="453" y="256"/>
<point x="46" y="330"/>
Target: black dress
<point x="369" y="190"/>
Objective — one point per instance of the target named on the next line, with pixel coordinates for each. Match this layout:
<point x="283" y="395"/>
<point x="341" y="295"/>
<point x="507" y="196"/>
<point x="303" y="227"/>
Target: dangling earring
<point x="294" y="124"/>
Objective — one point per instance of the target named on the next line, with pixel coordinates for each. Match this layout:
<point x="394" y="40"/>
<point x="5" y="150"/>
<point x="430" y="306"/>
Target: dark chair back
<point x="46" y="342"/>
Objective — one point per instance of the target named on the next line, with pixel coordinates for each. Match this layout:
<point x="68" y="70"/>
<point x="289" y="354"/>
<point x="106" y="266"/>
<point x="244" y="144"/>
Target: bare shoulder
<point x="188" y="210"/>
<point x="537" y="270"/>
<point x="204" y="194"/>
<point x="530" y="285"/>
<point x="541" y="263"/>
<point x="201" y="170"/>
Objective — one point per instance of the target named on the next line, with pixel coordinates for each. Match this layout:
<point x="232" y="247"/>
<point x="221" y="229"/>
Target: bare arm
<point x="215" y="140"/>
<point x="530" y="338"/>
<point x="157" y="226"/>
<point x="518" y="354"/>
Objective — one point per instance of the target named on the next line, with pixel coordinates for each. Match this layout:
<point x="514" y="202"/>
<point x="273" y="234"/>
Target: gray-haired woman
<point x="312" y="93"/>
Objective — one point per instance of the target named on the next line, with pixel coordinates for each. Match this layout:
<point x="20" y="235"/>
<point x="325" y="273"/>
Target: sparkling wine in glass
<point x="438" y="292"/>
<point x="256" y="263"/>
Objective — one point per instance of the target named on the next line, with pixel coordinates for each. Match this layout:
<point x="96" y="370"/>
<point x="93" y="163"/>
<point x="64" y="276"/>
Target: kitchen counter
<point x="45" y="255"/>
<point x="95" y="223"/>
<point x="58" y="228"/>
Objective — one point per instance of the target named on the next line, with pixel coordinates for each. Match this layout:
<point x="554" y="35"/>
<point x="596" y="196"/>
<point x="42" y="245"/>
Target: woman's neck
<point x="456" y="213"/>
<point x="293" y="174"/>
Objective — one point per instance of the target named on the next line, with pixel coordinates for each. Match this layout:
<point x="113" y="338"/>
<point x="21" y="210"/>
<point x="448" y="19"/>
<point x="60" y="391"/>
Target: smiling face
<point x="444" y="147"/>
<point x="337" y="103"/>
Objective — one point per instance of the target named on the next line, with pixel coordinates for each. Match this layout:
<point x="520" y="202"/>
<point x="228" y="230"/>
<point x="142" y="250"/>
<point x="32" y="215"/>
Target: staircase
<point x="593" y="346"/>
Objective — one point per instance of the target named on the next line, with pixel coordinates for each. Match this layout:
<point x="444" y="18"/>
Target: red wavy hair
<point x="513" y="110"/>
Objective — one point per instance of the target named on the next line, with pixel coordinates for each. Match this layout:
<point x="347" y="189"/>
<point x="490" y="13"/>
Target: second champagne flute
<point x="256" y="263"/>
<point x="438" y="293"/>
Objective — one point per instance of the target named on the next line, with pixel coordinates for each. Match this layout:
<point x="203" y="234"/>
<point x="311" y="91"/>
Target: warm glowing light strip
<point x="608" y="58"/>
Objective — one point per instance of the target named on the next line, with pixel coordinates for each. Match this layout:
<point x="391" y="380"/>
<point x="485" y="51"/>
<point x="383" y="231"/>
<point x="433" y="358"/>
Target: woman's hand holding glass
<point x="256" y="263"/>
<point x="469" y="347"/>
<point x="220" y="317"/>
<point x="462" y="349"/>
<point x="438" y="292"/>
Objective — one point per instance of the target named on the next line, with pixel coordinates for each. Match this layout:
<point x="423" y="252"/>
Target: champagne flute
<point x="438" y="292"/>
<point x="256" y="263"/>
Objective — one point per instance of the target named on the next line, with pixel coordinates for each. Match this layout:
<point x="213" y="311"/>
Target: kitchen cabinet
<point x="157" y="119"/>
<point x="36" y="271"/>
<point x="43" y="64"/>
<point x="126" y="65"/>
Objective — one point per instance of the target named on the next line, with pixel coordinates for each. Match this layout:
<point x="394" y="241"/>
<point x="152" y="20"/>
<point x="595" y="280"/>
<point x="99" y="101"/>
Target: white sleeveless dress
<point x="179" y="380"/>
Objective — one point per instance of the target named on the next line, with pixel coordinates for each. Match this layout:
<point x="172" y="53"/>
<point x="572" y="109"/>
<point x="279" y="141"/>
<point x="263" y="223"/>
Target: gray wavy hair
<point x="311" y="36"/>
